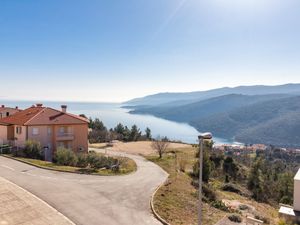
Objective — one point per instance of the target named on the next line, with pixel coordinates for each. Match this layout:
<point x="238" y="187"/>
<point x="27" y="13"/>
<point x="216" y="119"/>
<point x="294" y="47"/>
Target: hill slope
<point x="176" y="99"/>
<point x="274" y="122"/>
<point x="205" y="108"/>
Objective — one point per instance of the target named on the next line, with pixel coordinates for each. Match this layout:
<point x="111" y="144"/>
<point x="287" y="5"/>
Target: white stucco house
<point x="293" y="213"/>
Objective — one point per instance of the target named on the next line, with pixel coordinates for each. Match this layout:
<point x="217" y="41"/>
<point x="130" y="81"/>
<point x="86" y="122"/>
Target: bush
<point x="262" y="218"/>
<point x="243" y="207"/>
<point x="182" y="164"/>
<point x="286" y="200"/>
<point x="65" y="157"/>
<point x="231" y="188"/>
<point x="209" y="193"/>
<point x="97" y="161"/>
<point x="82" y="160"/>
<point x="235" y="218"/>
<point x="220" y="205"/>
<point x="32" y="149"/>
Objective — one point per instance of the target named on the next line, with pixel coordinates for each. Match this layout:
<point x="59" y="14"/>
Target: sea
<point x="113" y="113"/>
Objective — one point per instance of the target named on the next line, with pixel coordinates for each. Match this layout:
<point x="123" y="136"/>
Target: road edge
<point x="63" y="171"/>
<point x="157" y="216"/>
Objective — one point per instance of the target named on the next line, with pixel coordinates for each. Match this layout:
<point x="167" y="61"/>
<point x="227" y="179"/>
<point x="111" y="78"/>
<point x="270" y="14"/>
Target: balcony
<point x="65" y="137"/>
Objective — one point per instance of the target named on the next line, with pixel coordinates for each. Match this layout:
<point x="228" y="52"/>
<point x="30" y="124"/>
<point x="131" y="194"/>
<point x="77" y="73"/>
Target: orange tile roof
<point x="20" y="118"/>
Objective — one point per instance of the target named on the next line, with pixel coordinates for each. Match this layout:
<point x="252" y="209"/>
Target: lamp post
<point x="202" y="137"/>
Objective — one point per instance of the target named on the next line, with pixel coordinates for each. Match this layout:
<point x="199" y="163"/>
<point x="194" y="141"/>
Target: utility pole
<point x="202" y="137"/>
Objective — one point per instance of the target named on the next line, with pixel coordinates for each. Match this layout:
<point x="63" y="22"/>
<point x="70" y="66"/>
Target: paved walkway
<point x="92" y="200"/>
<point x="18" y="206"/>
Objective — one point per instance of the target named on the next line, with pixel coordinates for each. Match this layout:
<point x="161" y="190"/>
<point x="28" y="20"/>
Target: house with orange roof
<point x="8" y="111"/>
<point x="52" y="128"/>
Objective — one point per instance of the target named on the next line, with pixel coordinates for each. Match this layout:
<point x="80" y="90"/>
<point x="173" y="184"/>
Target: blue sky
<point x="110" y="50"/>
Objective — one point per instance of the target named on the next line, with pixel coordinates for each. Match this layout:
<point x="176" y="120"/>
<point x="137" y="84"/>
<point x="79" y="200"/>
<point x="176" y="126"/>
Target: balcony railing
<point x="65" y="136"/>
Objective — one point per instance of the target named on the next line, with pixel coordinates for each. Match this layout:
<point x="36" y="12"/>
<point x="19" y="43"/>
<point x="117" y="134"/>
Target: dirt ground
<point x="138" y="148"/>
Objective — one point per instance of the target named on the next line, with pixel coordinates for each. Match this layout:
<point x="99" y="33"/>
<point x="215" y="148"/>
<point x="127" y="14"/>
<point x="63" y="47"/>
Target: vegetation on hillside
<point x="232" y="185"/>
<point x="99" y="133"/>
<point x="268" y="119"/>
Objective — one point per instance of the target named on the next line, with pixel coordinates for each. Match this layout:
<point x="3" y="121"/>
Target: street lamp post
<point x="202" y="137"/>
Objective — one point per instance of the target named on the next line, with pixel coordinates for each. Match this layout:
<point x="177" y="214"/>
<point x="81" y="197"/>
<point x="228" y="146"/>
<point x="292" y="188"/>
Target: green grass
<point x="128" y="166"/>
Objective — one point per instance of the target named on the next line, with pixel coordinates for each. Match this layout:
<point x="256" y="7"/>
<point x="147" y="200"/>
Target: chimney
<point x="39" y="105"/>
<point x="2" y="106"/>
<point x="64" y="108"/>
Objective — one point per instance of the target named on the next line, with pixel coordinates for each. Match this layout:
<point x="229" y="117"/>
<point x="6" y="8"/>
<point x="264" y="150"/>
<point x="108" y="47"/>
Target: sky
<point x="115" y="50"/>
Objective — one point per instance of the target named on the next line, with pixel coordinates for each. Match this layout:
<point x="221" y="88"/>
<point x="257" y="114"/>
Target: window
<point x="7" y="113"/>
<point x="0" y="115"/>
<point x="35" y="131"/>
<point x="49" y="131"/>
<point x="18" y="130"/>
<point x="62" y="130"/>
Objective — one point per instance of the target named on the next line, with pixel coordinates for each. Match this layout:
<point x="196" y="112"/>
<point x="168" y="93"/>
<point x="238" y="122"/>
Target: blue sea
<point x="112" y="113"/>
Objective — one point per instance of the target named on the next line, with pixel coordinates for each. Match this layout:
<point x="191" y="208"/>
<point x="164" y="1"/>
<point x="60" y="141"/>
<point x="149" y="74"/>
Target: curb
<point x="63" y="171"/>
<point x="42" y="201"/>
<point x="157" y="216"/>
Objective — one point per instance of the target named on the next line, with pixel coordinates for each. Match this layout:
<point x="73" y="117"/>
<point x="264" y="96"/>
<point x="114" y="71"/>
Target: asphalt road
<point x="92" y="200"/>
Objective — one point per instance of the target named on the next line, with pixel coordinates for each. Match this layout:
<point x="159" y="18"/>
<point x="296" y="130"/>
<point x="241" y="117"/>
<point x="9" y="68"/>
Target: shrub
<point x="65" y="157"/>
<point x="97" y="161"/>
<point x="235" y="218"/>
<point x="209" y="193"/>
<point x="32" y="149"/>
<point x="182" y="164"/>
<point x="262" y="218"/>
<point x="286" y="200"/>
<point x="82" y="160"/>
<point x="220" y="205"/>
<point x="243" y="207"/>
<point x="231" y="188"/>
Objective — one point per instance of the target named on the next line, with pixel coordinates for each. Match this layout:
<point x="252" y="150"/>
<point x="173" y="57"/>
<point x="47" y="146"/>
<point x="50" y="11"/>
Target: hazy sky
<point x="114" y="50"/>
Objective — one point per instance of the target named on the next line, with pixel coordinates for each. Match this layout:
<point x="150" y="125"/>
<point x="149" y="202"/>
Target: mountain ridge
<point x="267" y="119"/>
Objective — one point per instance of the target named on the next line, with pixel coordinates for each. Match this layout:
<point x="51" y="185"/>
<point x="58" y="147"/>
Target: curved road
<point x="92" y="200"/>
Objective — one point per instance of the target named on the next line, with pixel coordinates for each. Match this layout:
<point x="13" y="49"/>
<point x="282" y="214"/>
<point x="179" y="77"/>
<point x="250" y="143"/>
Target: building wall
<point x="80" y="137"/>
<point x="297" y="192"/>
<point x="43" y="136"/>
<point x="20" y="139"/>
<point x="3" y="134"/>
<point x="79" y="134"/>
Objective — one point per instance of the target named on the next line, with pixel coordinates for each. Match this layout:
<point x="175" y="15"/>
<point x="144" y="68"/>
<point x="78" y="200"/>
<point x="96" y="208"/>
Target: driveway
<point x="92" y="200"/>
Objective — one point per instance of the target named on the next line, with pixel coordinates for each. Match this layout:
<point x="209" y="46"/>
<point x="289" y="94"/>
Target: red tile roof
<point x="22" y="117"/>
<point x="26" y="116"/>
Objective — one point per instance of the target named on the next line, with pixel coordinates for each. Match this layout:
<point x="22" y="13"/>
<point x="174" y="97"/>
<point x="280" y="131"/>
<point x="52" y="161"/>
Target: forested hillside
<point x="270" y="119"/>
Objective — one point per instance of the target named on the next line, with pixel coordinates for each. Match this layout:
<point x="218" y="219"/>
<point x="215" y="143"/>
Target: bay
<point x="112" y="113"/>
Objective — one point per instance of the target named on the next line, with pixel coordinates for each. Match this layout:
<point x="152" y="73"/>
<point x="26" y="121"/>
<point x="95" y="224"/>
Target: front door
<point x="48" y="153"/>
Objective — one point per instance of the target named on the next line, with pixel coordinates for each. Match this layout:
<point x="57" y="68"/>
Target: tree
<point x="83" y="115"/>
<point x="98" y="125"/>
<point x="230" y="167"/>
<point x="126" y="134"/>
<point x="160" y="146"/>
<point x="135" y="133"/>
<point x="207" y="163"/>
<point x="255" y="181"/>
<point x="148" y="133"/>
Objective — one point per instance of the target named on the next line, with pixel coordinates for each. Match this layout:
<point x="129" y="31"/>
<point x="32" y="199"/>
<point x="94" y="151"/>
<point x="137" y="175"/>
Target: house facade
<point x="52" y="128"/>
